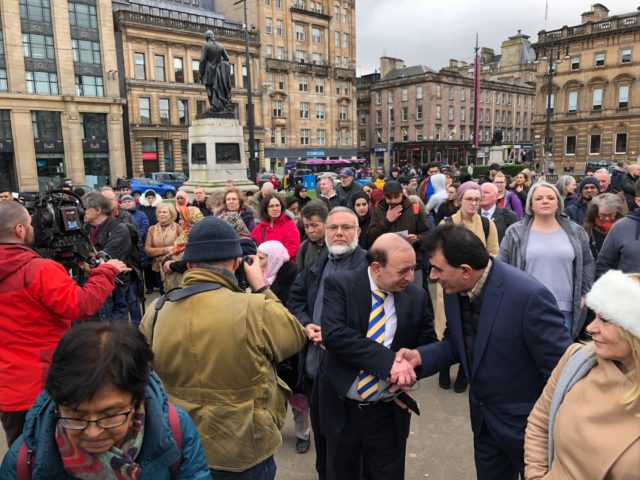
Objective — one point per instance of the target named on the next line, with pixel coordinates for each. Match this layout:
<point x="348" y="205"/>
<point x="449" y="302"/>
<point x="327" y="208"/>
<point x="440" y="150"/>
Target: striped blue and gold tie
<point x="367" y="383"/>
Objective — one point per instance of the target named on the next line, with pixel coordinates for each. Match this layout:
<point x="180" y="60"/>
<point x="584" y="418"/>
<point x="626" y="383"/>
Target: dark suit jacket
<point x="345" y="318"/>
<point x="520" y="340"/>
<point x="502" y="217"/>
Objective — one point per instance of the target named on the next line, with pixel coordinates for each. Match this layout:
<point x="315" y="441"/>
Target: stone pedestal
<point x="496" y="155"/>
<point x="216" y="154"/>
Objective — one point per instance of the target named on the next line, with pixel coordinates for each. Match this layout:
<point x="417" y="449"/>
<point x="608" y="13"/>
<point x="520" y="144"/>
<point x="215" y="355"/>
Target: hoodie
<point x="621" y="248"/>
<point x="439" y="195"/>
<point x="38" y="302"/>
<point x="149" y="209"/>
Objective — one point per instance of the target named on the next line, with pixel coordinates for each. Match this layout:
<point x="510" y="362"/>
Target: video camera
<point x="57" y="220"/>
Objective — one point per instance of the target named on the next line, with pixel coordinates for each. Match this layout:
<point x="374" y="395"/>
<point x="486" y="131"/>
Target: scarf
<point x="277" y="256"/>
<point x="604" y="225"/>
<point x="118" y="463"/>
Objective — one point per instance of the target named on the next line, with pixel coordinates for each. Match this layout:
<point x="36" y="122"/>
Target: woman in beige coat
<point x="589" y="427"/>
<point x="161" y="237"/>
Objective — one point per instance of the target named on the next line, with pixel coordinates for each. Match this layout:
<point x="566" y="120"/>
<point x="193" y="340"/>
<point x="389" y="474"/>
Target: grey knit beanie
<point x="211" y="240"/>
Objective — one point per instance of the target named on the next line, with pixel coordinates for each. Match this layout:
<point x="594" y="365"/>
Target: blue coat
<point x="520" y="339"/>
<point x="159" y="449"/>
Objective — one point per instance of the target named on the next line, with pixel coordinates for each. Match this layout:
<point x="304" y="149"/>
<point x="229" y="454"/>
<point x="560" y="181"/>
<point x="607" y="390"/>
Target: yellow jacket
<point x="215" y="353"/>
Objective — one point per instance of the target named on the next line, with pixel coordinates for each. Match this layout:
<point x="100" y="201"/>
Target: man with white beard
<point x="305" y="302"/>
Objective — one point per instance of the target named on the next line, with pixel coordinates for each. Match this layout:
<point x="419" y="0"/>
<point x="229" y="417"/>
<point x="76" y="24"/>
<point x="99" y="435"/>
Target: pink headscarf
<point x="465" y="187"/>
<point x="277" y="256"/>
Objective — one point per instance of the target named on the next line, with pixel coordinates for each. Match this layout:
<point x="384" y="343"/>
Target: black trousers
<point x="12" y="423"/>
<point x="319" y="440"/>
<point x="368" y="445"/>
<point x="497" y="459"/>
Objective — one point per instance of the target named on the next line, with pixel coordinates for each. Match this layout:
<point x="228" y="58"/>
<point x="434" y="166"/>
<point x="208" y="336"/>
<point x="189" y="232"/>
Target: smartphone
<point x="409" y="402"/>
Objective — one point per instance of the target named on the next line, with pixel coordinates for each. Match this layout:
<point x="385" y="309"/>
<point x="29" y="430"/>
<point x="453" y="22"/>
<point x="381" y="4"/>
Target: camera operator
<point x="38" y="302"/>
<point x="111" y="236"/>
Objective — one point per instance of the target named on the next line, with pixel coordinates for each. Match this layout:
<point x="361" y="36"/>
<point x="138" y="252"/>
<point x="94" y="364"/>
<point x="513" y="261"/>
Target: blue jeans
<point x="265" y="470"/>
<point x="115" y="306"/>
<point x="133" y="304"/>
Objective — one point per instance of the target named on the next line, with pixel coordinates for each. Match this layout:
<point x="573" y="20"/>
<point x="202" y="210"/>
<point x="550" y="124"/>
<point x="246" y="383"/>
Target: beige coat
<point x="215" y="354"/>
<point x="595" y="437"/>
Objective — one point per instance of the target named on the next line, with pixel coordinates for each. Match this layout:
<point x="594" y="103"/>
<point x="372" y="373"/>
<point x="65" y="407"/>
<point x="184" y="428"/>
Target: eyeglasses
<point x="471" y="200"/>
<point x="111" y="421"/>
<point x="344" y="228"/>
<point x="606" y="217"/>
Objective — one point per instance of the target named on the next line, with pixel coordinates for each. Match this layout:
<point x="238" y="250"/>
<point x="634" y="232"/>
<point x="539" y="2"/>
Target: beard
<point x="340" y="250"/>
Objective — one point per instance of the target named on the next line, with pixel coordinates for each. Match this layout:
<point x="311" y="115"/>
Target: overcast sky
<point x="430" y="32"/>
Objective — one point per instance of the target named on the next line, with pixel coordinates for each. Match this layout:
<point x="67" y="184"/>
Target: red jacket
<point x="284" y="230"/>
<point x="38" y="301"/>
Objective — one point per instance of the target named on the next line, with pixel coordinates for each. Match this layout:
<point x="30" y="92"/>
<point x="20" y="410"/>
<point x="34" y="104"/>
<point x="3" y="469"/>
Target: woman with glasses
<point x="468" y="197"/>
<point x="554" y="250"/>
<point x="603" y="211"/>
<point x="276" y="225"/>
<point x="103" y="415"/>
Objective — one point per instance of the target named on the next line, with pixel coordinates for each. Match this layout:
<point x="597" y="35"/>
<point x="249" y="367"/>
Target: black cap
<point x="391" y="187"/>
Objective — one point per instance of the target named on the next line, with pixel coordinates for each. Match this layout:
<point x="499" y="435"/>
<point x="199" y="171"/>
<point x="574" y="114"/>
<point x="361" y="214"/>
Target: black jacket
<point x="628" y="186"/>
<point x="502" y="218"/>
<point x="345" y="194"/>
<point x="576" y="211"/>
<point x="113" y="238"/>
<point x="203" y="207"/>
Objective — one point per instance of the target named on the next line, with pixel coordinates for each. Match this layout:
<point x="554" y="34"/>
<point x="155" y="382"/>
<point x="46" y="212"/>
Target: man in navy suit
<point x="506" y="330"/>
<point x="367" y="315"/>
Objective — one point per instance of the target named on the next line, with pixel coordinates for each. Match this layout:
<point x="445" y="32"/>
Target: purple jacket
<point x="513" y="203"/>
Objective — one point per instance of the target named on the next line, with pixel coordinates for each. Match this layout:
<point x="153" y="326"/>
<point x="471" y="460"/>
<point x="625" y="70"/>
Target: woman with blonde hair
<point x="161" y="237"/>
<point x="586" y="423"/>
<point x="521" y="185"/>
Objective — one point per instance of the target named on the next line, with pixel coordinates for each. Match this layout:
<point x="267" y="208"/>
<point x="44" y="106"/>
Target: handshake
<point x="402" y="377"/>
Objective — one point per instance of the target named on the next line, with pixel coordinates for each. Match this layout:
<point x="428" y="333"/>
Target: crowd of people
<point x="328" y="305"/>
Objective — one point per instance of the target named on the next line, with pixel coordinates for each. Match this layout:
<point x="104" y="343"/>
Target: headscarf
<point x="358" y="196"/>
<point x="277" y="256"/>
<point x="465" y="187"/>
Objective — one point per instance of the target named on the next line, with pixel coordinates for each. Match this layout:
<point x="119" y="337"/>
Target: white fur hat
<point x="616" y="297"/>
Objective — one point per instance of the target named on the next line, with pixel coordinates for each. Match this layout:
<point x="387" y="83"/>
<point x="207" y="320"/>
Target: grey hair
<point x="98" y="201"/>
<point x="601" y="170"/>
<point x="335" y="210"/>
<point x="562" y="183"/>
<point x="532" y="190"/>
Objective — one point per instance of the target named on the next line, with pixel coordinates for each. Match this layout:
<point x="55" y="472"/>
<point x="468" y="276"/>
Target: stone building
<point x="159" y="45"/>
<point x="307" y="74"/>
<point x="60" y="106"/>
<point x="422" y="115"/>
<point x="595" y="101"/>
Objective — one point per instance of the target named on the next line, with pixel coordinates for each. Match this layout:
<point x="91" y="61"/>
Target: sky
<point x="430" y="32"/>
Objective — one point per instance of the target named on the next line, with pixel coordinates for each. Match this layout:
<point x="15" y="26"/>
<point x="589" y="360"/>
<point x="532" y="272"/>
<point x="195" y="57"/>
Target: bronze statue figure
<point x="215" y="73"/>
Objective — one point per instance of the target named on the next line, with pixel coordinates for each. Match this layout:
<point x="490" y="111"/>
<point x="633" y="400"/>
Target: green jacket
<point x="215" y="354"/>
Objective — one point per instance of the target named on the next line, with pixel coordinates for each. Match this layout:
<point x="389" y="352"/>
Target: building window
<point x="575" y="63"/>
<point x="267" y="3"/>
<point x="570" y="145"/>
<point x="305" y="135"/>
<point x="418" y="93"/>
<point x="390" y="97"/>
<point x="497" y="117"/>
<point x="279" y="28"/>
<point x="418" y="133"/>
<point x="623" y="96"/>
<point x="319" y="85"/>
<point x="89" y="86"/>
<point x="404" y="114"/>
<point x="405" y="135"/>
<point x="463" y="114"/>
<point x="463" y="95"/>
<point x="438" y="112"/>
<point x="277" y="108"/>
<point x="343" y="112"/>
<point x="451" y="93"/>
<point x="201" y="107"/>
<point x="450" y="116"/>
<point x="165" y="111"/>
<point x="159" y="67"/>
<point x="316" y="35"/>
<point x="85" y="51"/>
<point x="321" y="136"/>
<point x="38" y="46"/>
<point x="378" y="117"/>
<point x="281" y="81"/>
<point x="551" y="99"/>
<point x="301" y="32"/>
<point x="405" y="94"/>
<point x="345" y="40"/>
<point x="268" y="26"/>
<point x="37" y="10"/>
<point x="597" y="99"/>
<point x="625" y="56"/>
<point x="303" y="83"/>
<point x="280" y="53"/>
<point x="301" y="56"/>
<point x="81" y="15"/>
<point x="138" y="72"/>
<point x="195" y="71"/>
<point x="304" y="110"/>
<point x="271" y="79"/>
<point x="283" y="136"/>
<point x="594" y="142"/>
<point x="244" y="77"/>
<point x="183" y="112"/>
<point x="378" y="98"/>
<point x="42" y="83"/>
<point x="320" y="111"/>
<point x="336" y="39"/>
<point x="144" y="104"/>
<point x="4" y="85"/>
<point x="621" y="142"/>
<point x="273" y="136"/>
<point x="178" y="70"/>
<point x="418" y="112"/>
<point x="269" y="51"/>
<point x="345" y="15"/>
<point x="46" y="125"/>
<point x="599" y="60"/>
<point x="391" y="116"/>
<point x="572" y="102"/>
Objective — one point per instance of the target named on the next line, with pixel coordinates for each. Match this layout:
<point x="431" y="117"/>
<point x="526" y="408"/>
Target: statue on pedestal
<point x="215" y="73"/>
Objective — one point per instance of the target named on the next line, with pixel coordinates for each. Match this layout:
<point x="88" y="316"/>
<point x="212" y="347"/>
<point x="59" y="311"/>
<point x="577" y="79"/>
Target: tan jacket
<point x="595" y="437"/>
<point x="491" y="242"/>
<point x="215" y="354"/>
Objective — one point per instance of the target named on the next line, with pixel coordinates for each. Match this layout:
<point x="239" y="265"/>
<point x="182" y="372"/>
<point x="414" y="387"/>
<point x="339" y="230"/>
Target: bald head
<point x="489" y="192"/>
<point x="267" y="189"/>
<point x="391" y="243"/>
<point x="14" y="218"/>
<point x="391" y="262"/>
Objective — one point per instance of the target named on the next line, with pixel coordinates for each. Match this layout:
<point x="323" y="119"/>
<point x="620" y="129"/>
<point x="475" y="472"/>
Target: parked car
<point x="140" y="185"/>
<point x="593" y="165"/>
<point x="176" y="179"/>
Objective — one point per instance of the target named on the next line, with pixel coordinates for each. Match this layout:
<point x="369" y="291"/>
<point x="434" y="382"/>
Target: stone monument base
<point x="217" y="154"/>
